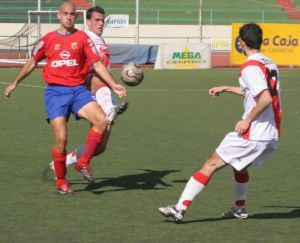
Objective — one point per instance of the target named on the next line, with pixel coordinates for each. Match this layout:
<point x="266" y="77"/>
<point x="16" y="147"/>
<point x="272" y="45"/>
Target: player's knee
<point x="212" y="164"/>
<point x="100" y="122"/>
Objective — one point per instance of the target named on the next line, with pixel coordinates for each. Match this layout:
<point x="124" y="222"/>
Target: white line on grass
<point x="144" y="90"/>
<point x="26" y="85"/>
<point x="131" y="90"/>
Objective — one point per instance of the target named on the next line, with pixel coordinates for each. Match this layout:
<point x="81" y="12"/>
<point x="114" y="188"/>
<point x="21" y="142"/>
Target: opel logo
<point x="65" y="55"/>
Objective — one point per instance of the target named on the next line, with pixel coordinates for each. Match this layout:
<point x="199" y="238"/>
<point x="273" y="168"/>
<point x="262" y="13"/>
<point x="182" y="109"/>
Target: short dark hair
<point x="94" y="9"/>
<point x="251" y="34"/>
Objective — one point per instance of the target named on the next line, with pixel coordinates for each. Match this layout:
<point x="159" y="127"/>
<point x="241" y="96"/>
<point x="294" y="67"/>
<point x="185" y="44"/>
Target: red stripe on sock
<point x="241" y="178"/>
<point x="240" y="203"/>
<point x="59" y="159"/>
<point x="102" y="86"/>
<point x="186" y="203"/>
<point x="202" y="178"/>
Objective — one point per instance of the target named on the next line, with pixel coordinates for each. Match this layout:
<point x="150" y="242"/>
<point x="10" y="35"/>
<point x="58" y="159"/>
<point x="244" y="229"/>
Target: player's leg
<point x="73" y="157"/>
<point x="92" y="113"/>
<point x="193" y="187"/>
<point x="258" y="152"/>
<point x="59" y="128"/>
<point x="57" y="100"/>
<point x="240" y="188"/>
<point x="105" y="98"/>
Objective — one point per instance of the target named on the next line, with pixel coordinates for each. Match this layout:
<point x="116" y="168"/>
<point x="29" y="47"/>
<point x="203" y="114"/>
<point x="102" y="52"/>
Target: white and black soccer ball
<point x="132" y="74"/>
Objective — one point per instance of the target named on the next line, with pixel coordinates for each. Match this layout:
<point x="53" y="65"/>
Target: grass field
<point x="170" y="128"/>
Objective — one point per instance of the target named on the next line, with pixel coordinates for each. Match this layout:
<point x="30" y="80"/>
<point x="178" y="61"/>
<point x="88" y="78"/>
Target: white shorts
<point x="239" y="152"/>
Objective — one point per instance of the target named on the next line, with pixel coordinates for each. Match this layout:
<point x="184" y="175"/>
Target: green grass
<point x="170" y="128"/>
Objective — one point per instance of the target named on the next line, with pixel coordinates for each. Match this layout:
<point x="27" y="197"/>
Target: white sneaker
<point x="51" y="165"/>
<point x="235" y="213"/>
<point x="71" y="159"/>
<point x="171" y="211"/>
<point x="115" y="111"/>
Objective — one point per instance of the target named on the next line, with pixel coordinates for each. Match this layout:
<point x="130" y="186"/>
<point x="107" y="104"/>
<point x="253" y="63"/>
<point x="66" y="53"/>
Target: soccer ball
<point x="132" y="74"/>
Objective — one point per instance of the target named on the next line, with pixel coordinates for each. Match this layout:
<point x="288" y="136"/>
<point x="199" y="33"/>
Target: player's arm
<point x="264" y="100"/>
<point x="105" y="75"/>
<point x="215" y="91"/>
<point x="28" y="67"/>
<point x="102" y="56"/>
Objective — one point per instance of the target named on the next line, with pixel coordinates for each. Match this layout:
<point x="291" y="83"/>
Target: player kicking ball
<point x="95" y="20"/>
<point x="68" y="51"/>
<point x="101" y="91"/>
<point x="255" y="137"/>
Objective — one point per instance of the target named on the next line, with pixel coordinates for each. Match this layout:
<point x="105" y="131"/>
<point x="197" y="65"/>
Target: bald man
<point x="68" y="53"/>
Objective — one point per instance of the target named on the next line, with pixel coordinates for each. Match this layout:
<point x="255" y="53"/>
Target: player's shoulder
<point x="89" y="33"/>
<point x="94" y="36"/>
<point x="50" y="35"/>
<point x="254" y="61"/>
<point x="263" y="59"/>
<point x="258" y="61"/>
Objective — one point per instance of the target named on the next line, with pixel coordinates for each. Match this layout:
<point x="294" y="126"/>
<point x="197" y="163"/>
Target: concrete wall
<point x="219" y="36"/>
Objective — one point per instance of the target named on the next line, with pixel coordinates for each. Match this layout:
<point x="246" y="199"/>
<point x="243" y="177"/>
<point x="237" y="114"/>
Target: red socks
<point x="201" y="178"/>
<point x="59" y="159"/>
<point x="93" y="140"/>
<point x="192" y="188"/>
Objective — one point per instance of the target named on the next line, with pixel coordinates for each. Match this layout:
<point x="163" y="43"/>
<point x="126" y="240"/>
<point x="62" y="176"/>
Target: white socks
<point x="105" y="99"/>
<point x="194" y="186"/>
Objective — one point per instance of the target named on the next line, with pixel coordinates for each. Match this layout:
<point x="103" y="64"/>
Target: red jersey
<point x="68" y="57"/>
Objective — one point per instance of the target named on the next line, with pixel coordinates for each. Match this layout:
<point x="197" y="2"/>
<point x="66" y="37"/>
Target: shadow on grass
<point x="142" y="181"/>
<point x="194" y="221"/>
<point x="294" y="213"/>
<point x="48" y="175"/>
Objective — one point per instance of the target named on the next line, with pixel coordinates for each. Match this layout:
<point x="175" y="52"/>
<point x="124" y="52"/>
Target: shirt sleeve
<point x="91" y="52"/>
<point x="254" y="79"/>
<point x="38" y="52"/>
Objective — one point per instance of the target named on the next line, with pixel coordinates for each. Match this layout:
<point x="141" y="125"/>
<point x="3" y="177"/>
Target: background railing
<point x="176" y="16"/>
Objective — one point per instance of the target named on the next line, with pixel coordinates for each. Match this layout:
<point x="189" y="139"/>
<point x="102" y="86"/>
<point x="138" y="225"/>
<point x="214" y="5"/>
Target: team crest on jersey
<point x="74" y="45"/>
<point x="56" y="46"/>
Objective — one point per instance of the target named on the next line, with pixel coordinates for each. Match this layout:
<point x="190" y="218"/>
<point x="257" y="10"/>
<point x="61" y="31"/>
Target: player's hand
<point x="216" y="90"/>
<point x="120" y="90"/>
<point x="9" y="89"/>
<point x="242" y="126"/>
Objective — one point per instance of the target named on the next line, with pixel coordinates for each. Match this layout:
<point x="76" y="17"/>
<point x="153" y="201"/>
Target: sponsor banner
<point x="183" y="56"/>
<point x="221" y="44"/>
<point x="117" y="21"/>
<point x="280" y="43"/>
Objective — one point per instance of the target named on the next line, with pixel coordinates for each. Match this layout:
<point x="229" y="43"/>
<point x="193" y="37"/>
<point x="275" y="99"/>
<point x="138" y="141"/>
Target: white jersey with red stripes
<point x="260" y="73"/>
<point x="101" y="47"/>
